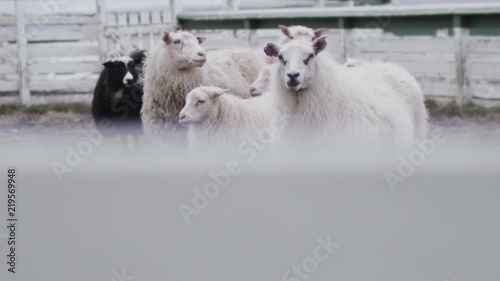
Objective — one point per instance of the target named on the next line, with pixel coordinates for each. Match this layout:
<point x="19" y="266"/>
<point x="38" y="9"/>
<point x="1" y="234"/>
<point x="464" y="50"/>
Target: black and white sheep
<point x="117" y="98"/>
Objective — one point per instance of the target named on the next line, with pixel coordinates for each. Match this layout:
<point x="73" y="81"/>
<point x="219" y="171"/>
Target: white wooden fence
<point x="62" y="53"/>
<point x="432" y="59"/>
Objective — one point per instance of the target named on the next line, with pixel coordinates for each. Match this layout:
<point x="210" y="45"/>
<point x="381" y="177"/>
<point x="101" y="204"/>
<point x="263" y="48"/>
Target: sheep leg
<point x="136" y="144"/>
<point x="124" y="140"/>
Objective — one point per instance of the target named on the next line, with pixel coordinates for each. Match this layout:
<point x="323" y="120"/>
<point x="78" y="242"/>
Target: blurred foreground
<point x="97" y="213"/>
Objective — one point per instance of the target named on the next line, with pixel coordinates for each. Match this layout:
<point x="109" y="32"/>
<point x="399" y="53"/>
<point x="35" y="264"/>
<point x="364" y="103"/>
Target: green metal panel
<point x="412" y="26"/>
<point x="313" y="23"/>
<point x="211" y="24"/>
<point x="488" y="25"/>
<point x="371" y="2"/>
<point x="413" y="20"/>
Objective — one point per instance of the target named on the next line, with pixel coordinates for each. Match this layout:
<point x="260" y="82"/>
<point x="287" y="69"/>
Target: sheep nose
<point x="201" y="54"/>
<point x="293" y="75"/>
<point x="129" y="81"/>
<point x="252" y="89"/>
<point x="182" y="116"/>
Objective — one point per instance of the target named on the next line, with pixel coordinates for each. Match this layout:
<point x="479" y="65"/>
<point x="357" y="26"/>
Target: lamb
<point x="327" y="102"/>
<point x="177" y="65"/>
<point x="218" y="121"/>
<point x="117" y="98"/>
<point x="262" y="84"/>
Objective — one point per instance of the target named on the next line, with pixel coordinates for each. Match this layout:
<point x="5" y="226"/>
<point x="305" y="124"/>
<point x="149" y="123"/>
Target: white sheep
<point x="297" y="32"/>
<point x="353" y="62"/>
<point x="327" y="102"/>
<point x="400" y="79"/>
<point x="262" y="84"/>
<point x="179" y="64"/>
<point x="219" y="121"/>
<point x="405" y="85"/>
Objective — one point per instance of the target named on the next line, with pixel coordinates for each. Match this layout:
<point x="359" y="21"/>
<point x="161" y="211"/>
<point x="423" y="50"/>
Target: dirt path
<point x="70" y="127"/>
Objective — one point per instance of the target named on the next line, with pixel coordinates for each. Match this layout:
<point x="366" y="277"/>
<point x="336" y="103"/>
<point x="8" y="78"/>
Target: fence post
<point x="22" y="42"/>
<point x="174" y="10"/>
<point x="345" y="34"/>
<point x="233" y="5"/>
<point x="102" y="21"/>
<point x="319" y="3"/>
<point x="460" y="34"/>
<point x="346" y="3"/>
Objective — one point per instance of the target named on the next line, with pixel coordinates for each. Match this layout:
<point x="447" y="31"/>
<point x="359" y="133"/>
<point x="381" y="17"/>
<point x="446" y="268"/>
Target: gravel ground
<point x="44" y="127"/>
<point x="70" y="127"/>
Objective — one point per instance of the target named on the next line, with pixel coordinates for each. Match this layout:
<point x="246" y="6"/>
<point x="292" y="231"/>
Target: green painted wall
<point x="371" y="2"/>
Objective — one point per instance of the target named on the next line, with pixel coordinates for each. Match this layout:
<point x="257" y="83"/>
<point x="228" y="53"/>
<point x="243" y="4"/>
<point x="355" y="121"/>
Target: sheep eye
<point x="177" y="41"/>
<point x="290" y="37"/>
<point x="200" y="101"/>
<point x="280" y="57"/>
<point x="306" y="61"/>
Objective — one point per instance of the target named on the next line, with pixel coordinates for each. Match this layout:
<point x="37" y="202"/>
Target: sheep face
<point x="185" y="49"/>
<point x="121" y="70"/>
<point x="297" y="62"/>
<point x="263" y="81"/>
<point x="301" y="33"/>
<point x="199" y="105"/>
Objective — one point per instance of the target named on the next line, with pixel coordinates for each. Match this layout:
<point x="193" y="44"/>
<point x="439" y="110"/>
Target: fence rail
<point x="63" y="52"/>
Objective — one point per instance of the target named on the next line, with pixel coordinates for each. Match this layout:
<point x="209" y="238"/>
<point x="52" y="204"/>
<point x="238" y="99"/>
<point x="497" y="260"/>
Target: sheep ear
<point x="318" y="32"/>
<point x="138" y="56"/>
<point x="285" y="30"/>
<point x="201" y="39"/>
<point x="137" y="60"/>
<point x="108" y="64"/>
<point x="218" y="93"/>
<point x="166" y="37"/>
<point x="271" y="50"/>
<point x="320" y="44"/>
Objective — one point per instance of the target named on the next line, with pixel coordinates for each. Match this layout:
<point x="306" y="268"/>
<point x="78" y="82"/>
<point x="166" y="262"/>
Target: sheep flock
<point x="213" y="100"/>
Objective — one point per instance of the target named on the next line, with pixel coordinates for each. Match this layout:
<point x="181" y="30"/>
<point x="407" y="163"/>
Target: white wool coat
<point x="166" y="87"/>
